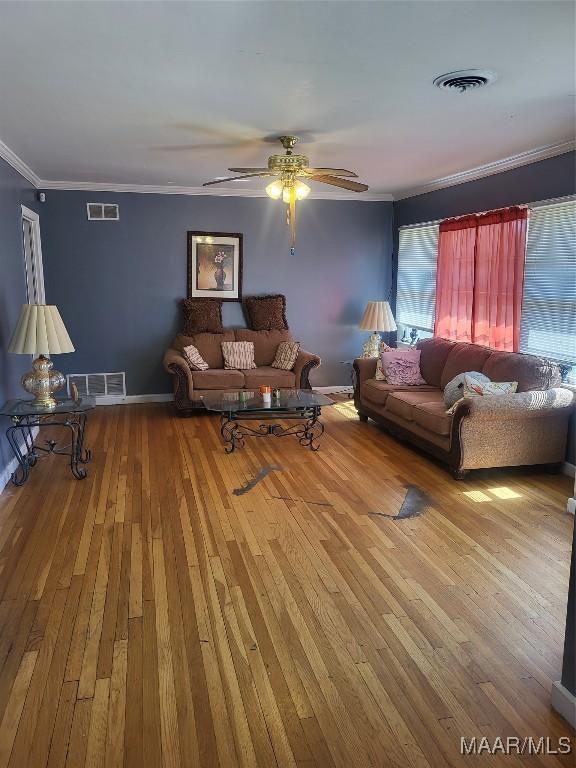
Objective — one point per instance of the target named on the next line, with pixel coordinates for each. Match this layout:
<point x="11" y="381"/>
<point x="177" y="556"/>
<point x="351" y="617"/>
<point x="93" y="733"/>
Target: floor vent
<point x="107" y="388"/>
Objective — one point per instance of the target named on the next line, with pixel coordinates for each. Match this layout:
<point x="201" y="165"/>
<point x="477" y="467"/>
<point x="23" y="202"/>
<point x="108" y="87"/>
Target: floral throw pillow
<point x="475" y="388"/>
<point x="402" y="366"/>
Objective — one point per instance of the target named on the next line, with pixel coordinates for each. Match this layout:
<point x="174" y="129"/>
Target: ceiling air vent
<point x="107" y="388"/>
<point x="103" y="211"/>
<point x="465" y="79"/>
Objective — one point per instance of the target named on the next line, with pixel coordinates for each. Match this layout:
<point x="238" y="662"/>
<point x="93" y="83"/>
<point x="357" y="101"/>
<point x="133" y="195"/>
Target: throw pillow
<point x="474" y="388"/>
<point x="402" y="366"/>
<point x="202" y="316"/>
<point x="380" y="375"/>
<point x="455" y="387"/>
<point x="238" y="355"/>
<point x="194" y="358"/>
<point x="266" y="313"/>
<point x="286" y="355"/>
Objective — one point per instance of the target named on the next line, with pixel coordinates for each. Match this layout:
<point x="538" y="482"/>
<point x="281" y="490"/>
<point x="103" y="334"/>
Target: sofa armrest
<point x="510" y="430"/>
<point x="364" y="368"/>
<point x="175" y="364"/>
<point x="305" y="362"/>
<point x="523" y="405"/>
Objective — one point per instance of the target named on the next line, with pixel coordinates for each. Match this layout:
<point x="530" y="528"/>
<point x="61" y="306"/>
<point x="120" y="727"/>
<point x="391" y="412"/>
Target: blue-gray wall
<point x="555" y="177"/>
<point x="117" y="283"/>
<point x="546" y="179"/>
<point x="14" y="192"/>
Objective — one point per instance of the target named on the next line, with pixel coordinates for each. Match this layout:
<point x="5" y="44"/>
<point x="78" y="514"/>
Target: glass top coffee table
<point x="236" y="408"/>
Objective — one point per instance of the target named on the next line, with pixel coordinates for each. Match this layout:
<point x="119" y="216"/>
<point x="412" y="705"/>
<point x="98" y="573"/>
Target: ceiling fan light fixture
<point x="274" y="190"/>
<point x="302" y="190"/>
<point x="287" y="193"/>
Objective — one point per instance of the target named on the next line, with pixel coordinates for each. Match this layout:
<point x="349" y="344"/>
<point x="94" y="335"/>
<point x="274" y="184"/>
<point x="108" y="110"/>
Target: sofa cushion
<point x="376" y="391"/>
<point x="433" y="417"/>
<point x="218" y="378"/>
<point x="202" y="316"/>
<point x="209" y="345"/>
<point x="238" y="355"/>
<point x="403" y="403"/>
<point x="434" y="353"/>
<point x="194" y="358"/>
<point x="265" y="313"/>
<point x="265" y="343"/>
<point x="273" y="377"/>
<point x="286" y="355"/>
<point x="464" y="357"/>
<point x="529" y="371"/>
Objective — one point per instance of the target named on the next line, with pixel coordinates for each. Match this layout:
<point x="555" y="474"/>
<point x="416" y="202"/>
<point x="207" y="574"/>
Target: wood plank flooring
<point x="151" y="617"/>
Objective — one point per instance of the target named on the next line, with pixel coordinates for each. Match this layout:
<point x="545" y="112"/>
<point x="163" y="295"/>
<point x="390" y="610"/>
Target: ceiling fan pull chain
<point x="292" y="221"/>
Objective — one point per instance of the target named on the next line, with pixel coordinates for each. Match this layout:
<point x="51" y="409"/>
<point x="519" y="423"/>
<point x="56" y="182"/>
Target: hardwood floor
<point x="150" y="616"/>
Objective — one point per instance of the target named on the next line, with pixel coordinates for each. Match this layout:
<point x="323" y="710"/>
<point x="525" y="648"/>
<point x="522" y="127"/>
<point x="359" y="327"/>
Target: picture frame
<point x="214" y="265"/>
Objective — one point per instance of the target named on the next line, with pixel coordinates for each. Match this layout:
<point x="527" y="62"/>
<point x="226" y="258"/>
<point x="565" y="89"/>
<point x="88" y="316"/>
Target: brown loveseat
<point x="529" y="427"/>
<point x="190" y="386"/>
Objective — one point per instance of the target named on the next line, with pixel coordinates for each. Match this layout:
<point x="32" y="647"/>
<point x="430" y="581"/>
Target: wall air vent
<point x="465" y="79"/>
<point x="107" y="388"/>
<point x="103" y="212"/>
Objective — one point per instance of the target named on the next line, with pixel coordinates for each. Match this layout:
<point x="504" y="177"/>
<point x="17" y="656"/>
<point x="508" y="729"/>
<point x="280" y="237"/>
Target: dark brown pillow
<point x="266" y="313"/>
<point x="202" y="316"/>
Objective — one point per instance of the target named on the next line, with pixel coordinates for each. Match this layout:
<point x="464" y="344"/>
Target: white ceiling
<point x="153" y="93"/>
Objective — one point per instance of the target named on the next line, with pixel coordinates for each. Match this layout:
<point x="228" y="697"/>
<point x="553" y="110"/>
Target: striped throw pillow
<point x="286" y="354"/>
<point x="194" y="358"/>
<point x="238" y="354"/>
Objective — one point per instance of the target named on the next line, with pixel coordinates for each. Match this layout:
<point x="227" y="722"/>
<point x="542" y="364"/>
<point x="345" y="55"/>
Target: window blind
<point x="416" y="284"/>
<point x="548" y="325"/>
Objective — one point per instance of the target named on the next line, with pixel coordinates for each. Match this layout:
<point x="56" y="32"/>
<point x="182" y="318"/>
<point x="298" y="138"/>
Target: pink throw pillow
<point x="402" y="366"/>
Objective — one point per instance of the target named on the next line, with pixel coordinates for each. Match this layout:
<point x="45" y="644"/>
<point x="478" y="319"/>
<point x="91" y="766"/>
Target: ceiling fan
<point x="289" y="170"/>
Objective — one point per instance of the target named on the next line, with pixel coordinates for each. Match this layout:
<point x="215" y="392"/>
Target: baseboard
<point x="564" y="703"/>
<point x="334" y="390"/>
<point x="6" y="473"/>
<point x="568" y="469"/>
<point x="164" y="397"/>
<point x="571" y="506"/>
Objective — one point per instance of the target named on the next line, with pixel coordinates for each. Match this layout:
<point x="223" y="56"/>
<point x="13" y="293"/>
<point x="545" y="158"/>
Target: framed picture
<point x="215" y="265"/>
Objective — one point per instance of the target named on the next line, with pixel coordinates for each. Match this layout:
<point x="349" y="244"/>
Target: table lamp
<point x="40" y="331"/>
<point x="377" y="317"/>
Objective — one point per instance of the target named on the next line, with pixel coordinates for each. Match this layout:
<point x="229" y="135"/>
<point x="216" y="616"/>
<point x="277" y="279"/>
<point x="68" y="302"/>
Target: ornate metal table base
<point x="308" y="430"/>
<point x="27" y="452"/>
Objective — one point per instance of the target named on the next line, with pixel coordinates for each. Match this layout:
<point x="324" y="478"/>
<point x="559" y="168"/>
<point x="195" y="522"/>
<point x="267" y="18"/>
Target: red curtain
<point x="480" y="278"/>
<point x="455" y="279"/>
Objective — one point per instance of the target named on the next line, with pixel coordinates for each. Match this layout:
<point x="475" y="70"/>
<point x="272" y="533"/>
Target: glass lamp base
<point x="42" y="381"/>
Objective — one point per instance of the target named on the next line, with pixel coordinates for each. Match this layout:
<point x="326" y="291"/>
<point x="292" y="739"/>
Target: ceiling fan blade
<point x="331" y="171"/>
<point x="248" y="170"/>
<point x="354" y="186"/>
<point x="235" y="178"/>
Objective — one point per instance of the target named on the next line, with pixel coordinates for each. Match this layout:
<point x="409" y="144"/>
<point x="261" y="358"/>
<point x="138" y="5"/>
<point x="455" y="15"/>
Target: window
<point x="416" y="286"/>
<point x="32" y="256"/>
<point x="549" y="304"/>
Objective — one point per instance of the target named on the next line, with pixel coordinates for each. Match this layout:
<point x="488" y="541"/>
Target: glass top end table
<point x="26" y="416"/>
<point x="300" y="405"/>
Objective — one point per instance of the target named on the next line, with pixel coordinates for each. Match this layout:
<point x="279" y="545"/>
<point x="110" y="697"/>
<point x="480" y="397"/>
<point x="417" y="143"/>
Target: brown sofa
<point x="190" y="386"/>
<point x="526" y="428"/>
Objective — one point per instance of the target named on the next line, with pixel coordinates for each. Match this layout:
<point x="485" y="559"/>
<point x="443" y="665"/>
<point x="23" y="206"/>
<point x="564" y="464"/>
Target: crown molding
<point x="498" y="166"/>
<point x="172" y="189"/>
<point x="19" y="165"/>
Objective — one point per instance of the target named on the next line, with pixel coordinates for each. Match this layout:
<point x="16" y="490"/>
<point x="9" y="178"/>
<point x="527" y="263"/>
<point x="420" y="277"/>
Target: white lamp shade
<point x="40" y="331"/>
<point x="378" y="317"/>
